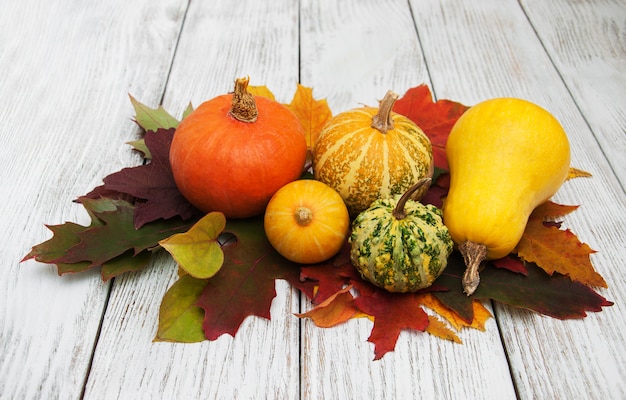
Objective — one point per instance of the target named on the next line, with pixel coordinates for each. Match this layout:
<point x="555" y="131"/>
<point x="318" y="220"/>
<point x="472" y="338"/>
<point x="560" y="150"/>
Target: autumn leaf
<point x="244" y="285"/>
<point x="556" y="250"/>
<point x="577" y="173"/>
<point x="435" y="118"/>
<point x="392" y="312"/>
<point x="126" y="262"/>
<point x="510" y="262"/>
<point x="336" y="309"/>
<point x="180" y="319"/>
<point x="140" y="146"/>
<point x="152" y="119"/>
<point x="261" y="91"/>
<point x="153" y="183"/>
<point x="556" y="296"/>
<point x="438" y="328"/>
<point x="110" y="241"/>
<point x="197" y="251"/>
<point x="116" y="234"/>
<point x="480" y="313"/>
<point x="313" y="114"/>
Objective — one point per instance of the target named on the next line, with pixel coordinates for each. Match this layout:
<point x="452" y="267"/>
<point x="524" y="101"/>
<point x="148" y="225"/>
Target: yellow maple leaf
<point x="261" y="91"/>
<point x="313" y="114"/>
<point x="438" y="328"/>
<point x="481" y="314"/>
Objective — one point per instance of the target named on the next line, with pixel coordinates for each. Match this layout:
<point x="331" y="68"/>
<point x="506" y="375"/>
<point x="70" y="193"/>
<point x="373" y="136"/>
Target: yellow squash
<point x="306" y="221"/>
<point x="506" y="156"/>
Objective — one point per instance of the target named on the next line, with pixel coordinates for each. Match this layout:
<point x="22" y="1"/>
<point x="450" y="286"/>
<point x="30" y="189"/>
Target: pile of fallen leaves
<point x="228" y="269"/>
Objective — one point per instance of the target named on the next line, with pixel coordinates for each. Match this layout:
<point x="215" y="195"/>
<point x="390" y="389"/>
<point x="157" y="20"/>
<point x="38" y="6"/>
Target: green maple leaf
<point x="197" y="251"/>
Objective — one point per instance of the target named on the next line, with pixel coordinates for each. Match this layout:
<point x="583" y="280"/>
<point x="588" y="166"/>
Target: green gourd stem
<point x="399" y="212"/>
<point x="382" y="120"/>
<point x="303" y="216"/>
<point x="473" y="255"/>
<point x="243" y="105"/>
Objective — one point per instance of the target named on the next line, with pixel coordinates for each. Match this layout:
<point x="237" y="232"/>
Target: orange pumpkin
<point x="372" y="153"/>
<point x="235" y="151"/>
<point x="306" y="222"/>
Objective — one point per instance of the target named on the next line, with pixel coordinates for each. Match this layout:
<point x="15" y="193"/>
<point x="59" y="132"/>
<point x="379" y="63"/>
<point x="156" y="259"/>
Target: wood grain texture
<point x="374" y="48"/>
<point x="65" y="71"/>
<point x="567" y="358"/>
<point x="67" y="67"/>
<point x="220" y="41"/>
<point x="586" y="40"/>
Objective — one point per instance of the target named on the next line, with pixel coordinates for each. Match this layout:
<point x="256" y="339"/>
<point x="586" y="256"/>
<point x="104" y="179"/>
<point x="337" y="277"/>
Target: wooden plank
<point x="585" y="41"/>
<point x="549" y="358"/>
<point x="67" y="67"/>
<point x="221" y="40"/>
<point x="352" y="52"/>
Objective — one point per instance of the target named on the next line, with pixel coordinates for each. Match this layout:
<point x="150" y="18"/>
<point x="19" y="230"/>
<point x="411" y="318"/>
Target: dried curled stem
<point x="473" y="255"/>
<point x="399" y="212"/>
<point x="382" y="120"/>
<point x="243" y="106"/>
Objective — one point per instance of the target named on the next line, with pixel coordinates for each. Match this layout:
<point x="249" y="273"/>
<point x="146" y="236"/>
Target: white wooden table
<point x="66" y="68"/>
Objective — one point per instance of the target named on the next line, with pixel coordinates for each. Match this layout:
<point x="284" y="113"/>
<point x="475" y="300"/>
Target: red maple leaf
<point x="392" y="313"/>
<point x="435" y="118"/>
<point x="153" y="184"/>
<point x="245" y="284"/>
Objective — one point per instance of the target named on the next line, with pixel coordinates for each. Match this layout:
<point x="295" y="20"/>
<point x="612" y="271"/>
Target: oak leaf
<point x="110" y="241"/>
<point x="556" y="250"/>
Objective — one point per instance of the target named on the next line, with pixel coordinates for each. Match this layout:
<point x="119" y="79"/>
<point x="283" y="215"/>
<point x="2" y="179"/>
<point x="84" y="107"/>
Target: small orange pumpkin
<point x="235" y="151"/>
<point x="306" y="222"/>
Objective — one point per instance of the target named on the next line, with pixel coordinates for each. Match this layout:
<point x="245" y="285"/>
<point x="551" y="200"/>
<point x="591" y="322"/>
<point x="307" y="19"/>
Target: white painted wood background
<point x="66" y="68"/>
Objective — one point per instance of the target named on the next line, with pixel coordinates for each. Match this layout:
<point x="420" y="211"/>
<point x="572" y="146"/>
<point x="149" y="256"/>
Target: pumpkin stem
<point x="243" y="106"/>
<point x="303" y="216"/>
<point x="473" y="254"/>
<point x="399" y="212"/>
<point x="382" y="120"/>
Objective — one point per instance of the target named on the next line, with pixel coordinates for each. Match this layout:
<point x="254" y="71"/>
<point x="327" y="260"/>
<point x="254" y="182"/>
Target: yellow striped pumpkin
<point x="372" y="153"/>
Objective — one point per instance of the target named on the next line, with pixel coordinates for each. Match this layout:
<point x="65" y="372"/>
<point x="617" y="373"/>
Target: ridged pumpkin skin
<point x="222" y="164"/>
<point x="306" y="222"/>
<point x="363" y="164"/>
<point x="506" y="156"/>
<point x="400" y="255"/>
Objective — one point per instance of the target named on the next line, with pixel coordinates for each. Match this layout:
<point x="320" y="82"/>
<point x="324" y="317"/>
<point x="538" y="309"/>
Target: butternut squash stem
<point x="243" y="105"/>
<point x="382" y="120"/>
<point x="473" y="255"/>
<point x="399" y="212"/>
